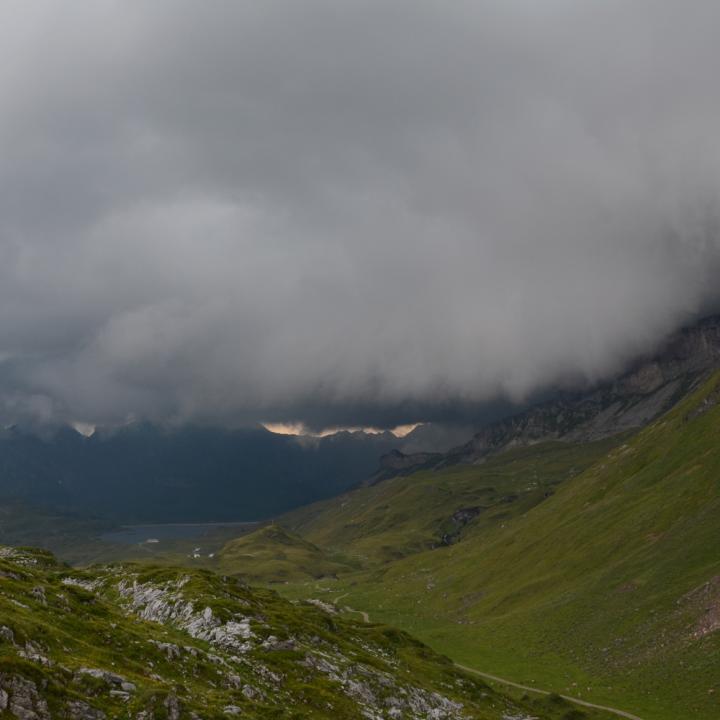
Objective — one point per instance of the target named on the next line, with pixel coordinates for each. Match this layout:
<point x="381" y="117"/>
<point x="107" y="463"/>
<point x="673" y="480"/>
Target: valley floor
<point x="592" y="571"/>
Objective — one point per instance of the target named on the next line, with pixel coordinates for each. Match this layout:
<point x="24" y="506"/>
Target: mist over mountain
<point x="368" y="214"/>
<point x="144" y="472"/>
<point x="624" y="404"/>
<point x="437" y="437"/>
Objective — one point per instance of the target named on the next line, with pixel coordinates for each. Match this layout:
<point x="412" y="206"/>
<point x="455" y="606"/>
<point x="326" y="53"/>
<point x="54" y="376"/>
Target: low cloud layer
<point x="357" y="212"/>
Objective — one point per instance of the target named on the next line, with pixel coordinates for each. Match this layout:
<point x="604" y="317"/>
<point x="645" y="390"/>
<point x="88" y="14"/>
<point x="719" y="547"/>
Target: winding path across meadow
<point x="576" y="701"/>
<point x="503" y="681"/>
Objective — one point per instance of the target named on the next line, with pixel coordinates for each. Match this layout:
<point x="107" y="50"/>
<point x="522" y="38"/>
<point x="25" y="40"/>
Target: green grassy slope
<point x="609" y="589"/>
<point x="273" y="554"/>
<point x="140" y="642"/>
<point x="409" y="514"/>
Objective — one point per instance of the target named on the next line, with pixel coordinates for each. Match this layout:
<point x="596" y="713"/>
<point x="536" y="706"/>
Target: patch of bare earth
<point x="704" y="602"/>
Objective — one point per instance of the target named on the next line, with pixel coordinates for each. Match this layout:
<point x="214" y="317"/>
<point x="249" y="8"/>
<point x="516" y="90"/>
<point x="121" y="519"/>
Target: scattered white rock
<point x="166" y="604"/>
<point x="38" y="593"/>
<point x="172" y="651"/>
<point x="89" y="585"/>
<point x="110" y="678"/>
<point x="327" y="607"/>
<point x="79" y="710"/>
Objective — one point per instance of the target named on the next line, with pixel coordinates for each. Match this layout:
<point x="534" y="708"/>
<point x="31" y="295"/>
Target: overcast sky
<point x="307" y="210"/>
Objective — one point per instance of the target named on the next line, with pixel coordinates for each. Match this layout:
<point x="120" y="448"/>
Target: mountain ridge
<point x="652" y="385"/>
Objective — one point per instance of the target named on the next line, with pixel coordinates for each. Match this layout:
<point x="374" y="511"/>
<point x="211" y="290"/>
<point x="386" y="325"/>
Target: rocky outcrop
<point x="166" y="604"/>
<point x="636" y="398"/>
<point x="79" y="710"/>
<point x="21" y="698"/>
<point x="162" y="643"/>
<point x="460" y="518"/>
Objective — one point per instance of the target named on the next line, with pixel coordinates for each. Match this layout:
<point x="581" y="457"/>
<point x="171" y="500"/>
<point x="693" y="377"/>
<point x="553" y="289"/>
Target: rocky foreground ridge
<point x="145" y="643"/>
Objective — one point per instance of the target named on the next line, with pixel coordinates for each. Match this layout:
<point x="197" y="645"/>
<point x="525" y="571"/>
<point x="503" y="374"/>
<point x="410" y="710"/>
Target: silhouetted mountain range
<point x="146" y="473"/>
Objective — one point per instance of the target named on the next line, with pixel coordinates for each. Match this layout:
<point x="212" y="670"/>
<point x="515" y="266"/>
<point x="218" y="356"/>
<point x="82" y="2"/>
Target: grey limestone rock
<point x="79" y="710"/>
<point x="22" y="699"/>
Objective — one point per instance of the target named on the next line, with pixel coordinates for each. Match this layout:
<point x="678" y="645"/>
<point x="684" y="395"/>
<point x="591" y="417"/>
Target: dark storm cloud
<point x="280" y="209"/>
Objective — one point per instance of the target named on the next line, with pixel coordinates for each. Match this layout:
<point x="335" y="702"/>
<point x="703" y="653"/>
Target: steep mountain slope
<point x="651" y="388"/>
<point x="628" y="403"/>
<point x="610" y="586"/>
<point x="409" y="514"/>
<point x="143" y="643"/>
<point x="145" y="473"/>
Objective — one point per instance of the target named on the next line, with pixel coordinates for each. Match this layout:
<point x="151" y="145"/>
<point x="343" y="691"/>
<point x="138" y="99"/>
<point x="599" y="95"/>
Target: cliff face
<point x="629" y="402"/>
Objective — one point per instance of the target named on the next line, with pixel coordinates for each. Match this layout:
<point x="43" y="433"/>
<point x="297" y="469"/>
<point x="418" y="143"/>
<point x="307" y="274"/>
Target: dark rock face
<point x="21" y="698"/>
<point x="460" y="518"/>
<point x="632" y="401"/>
<point x="465" y="515"/>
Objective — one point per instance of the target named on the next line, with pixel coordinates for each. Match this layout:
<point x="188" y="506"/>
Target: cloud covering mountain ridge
<point x="367" y="213"/>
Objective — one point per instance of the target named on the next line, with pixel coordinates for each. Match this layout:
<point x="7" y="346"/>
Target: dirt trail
<point x="347" y="608"/>
<point x="503" y="681"/>
<point x="576" y="701"/>
<point x="365" y="616"/>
